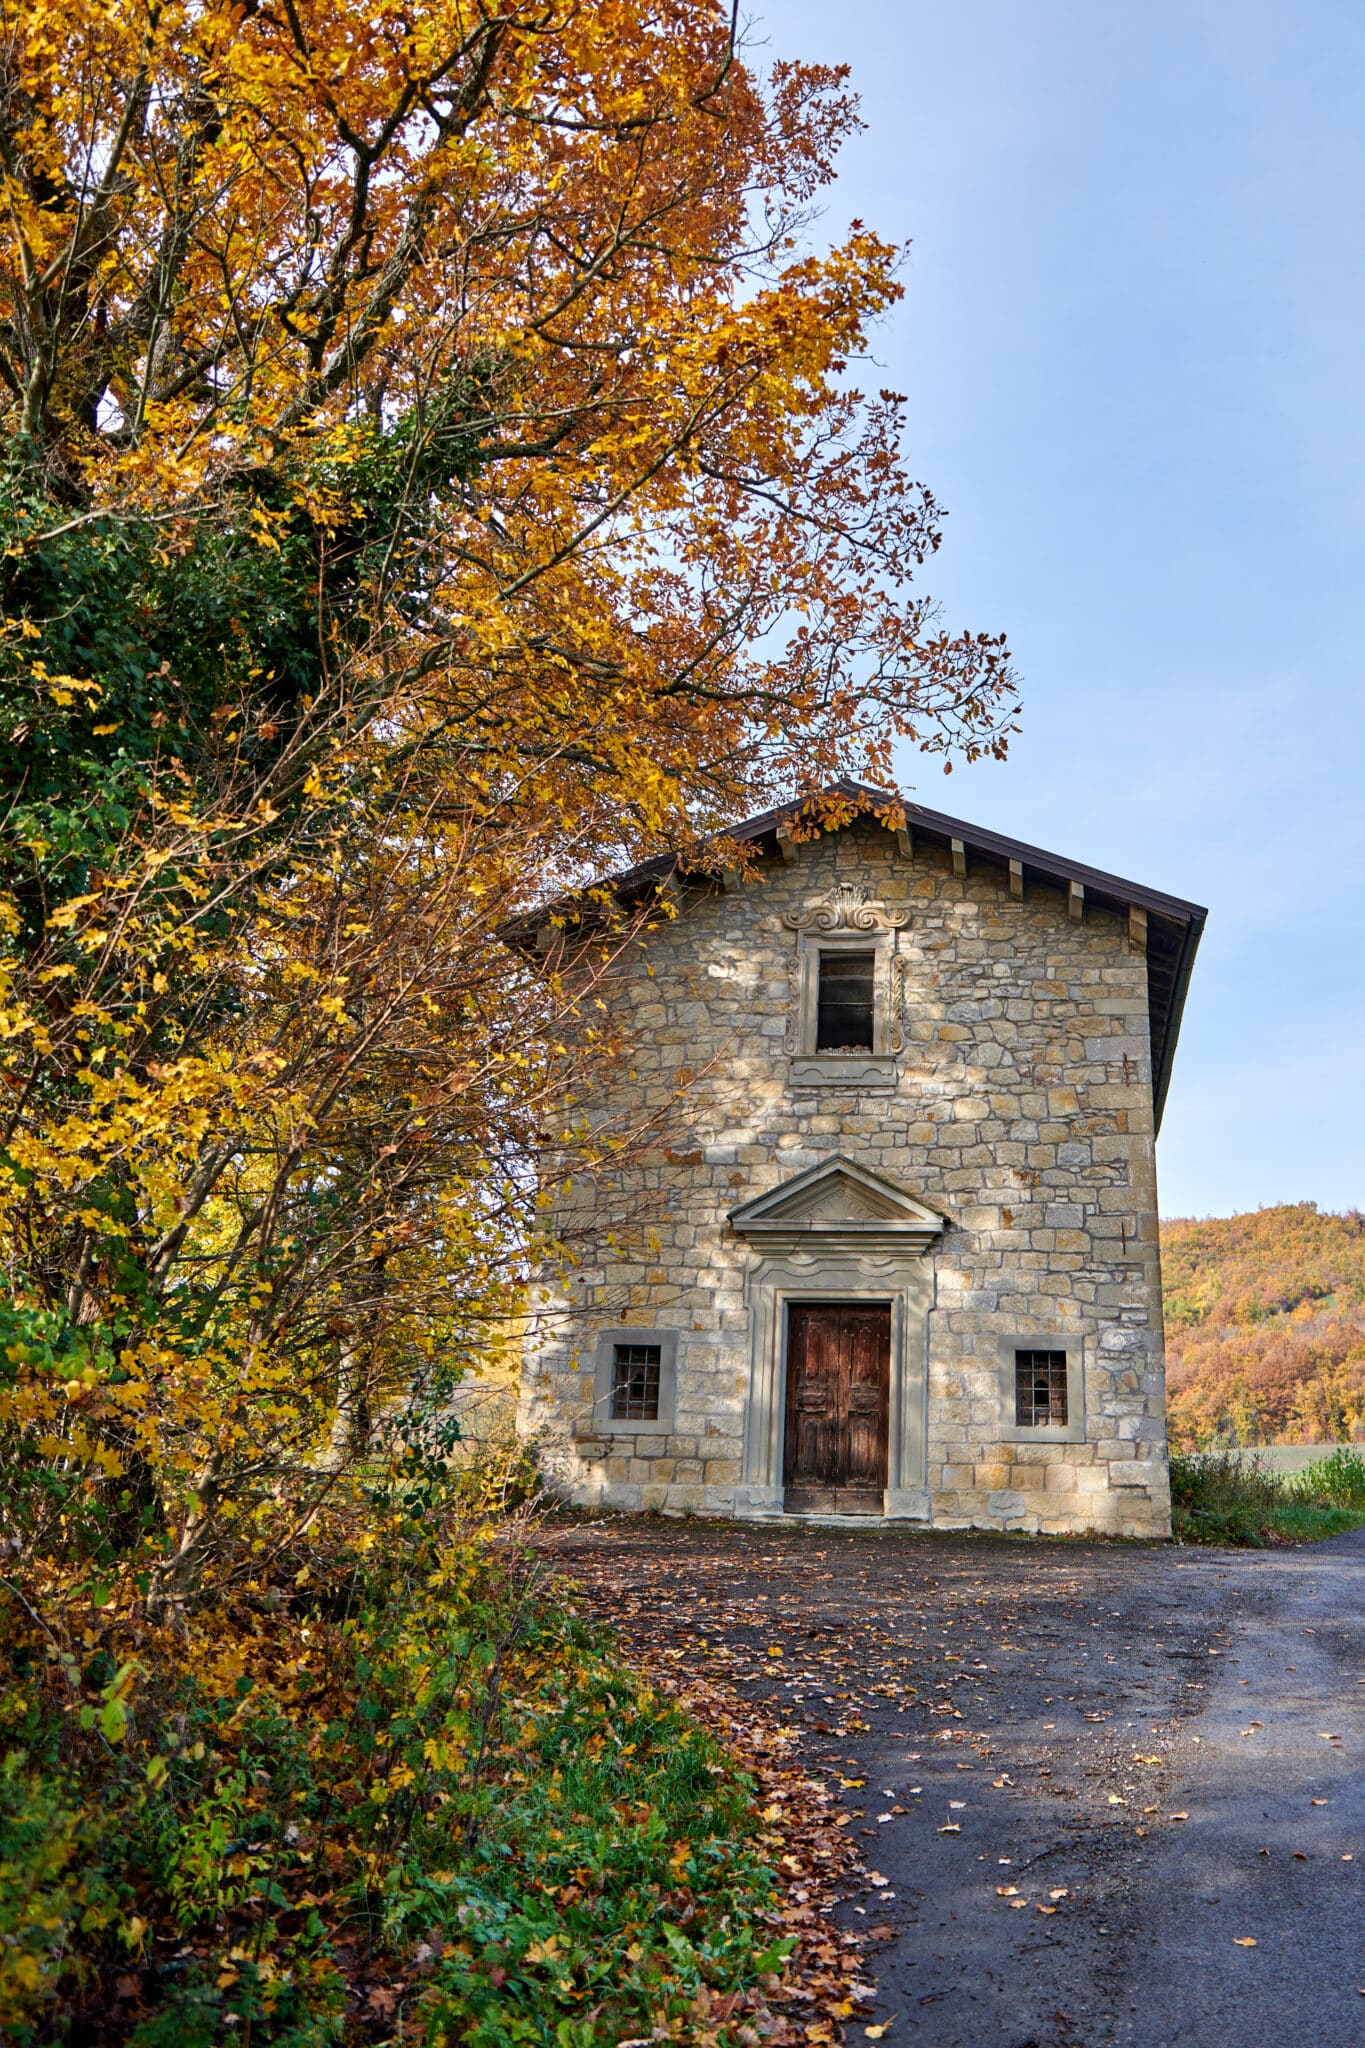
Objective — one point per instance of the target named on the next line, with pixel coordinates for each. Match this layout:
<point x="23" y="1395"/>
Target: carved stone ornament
<point x="847" y="909"/>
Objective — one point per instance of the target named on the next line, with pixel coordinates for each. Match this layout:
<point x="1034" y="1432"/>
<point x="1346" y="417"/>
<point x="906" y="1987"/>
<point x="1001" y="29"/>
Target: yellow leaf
<point x="1244" y="1940"/>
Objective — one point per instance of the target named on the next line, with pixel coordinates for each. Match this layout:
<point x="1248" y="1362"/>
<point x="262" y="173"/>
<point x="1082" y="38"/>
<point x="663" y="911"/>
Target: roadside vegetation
<point x="1221" y="1497"/>
<point x="398" y="1790"/>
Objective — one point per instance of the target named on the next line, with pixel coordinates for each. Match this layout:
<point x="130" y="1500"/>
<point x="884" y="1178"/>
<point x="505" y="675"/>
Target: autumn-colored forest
<point x="1265" y="1326"/>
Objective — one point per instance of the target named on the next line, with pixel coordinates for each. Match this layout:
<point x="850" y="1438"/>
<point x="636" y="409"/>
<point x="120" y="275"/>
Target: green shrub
<point x="1338" y="1479"/>
<point x="1221" y="1497"/>
<point x="400" y="1760"/>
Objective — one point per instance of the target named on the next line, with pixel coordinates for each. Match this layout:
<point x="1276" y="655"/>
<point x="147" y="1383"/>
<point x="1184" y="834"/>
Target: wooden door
<point x="838" y="1390"/>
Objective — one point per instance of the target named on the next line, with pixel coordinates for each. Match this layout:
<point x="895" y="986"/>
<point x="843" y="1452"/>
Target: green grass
<point x="1219" y="1497"/>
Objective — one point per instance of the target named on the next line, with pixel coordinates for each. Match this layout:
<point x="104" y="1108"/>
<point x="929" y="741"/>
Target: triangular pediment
<point x="837" y="1199"/>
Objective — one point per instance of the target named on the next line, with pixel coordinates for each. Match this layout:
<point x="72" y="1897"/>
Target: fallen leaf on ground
<point x="1244" y="1940"/>
<point x="1060" y="1893"/>
<point x="1317" y="1802"/>
<point x="1179" y="1816"/>
<point x="878" y="2033"/>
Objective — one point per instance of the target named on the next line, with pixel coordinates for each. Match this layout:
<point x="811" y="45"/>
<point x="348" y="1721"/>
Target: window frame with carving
<point x="848" y="922"/>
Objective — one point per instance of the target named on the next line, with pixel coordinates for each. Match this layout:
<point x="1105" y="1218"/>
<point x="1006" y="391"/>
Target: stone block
<point x="994" y="1478"/>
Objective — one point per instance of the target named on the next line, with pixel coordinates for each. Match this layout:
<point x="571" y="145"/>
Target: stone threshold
<point x="801" y="1518"/>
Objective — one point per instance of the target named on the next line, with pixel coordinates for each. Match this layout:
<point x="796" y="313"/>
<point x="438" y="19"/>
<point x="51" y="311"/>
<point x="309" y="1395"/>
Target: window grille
<point x="1040" y="1389"/>
<point x="635" y="1382"/>
<point x="844" y="1007"/>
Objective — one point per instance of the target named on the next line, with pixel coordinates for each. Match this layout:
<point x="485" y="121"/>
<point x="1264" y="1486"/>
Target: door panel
<point x="838" y="1388"/>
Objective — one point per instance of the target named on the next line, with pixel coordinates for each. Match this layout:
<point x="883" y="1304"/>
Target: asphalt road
<point x="1112" y="1793"/>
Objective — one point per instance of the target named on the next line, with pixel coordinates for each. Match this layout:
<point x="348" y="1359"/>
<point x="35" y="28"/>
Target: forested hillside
<point x="1265" y="1326"/>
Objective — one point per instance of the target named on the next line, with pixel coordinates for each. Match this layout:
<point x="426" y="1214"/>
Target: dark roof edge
<point x="1052" y="864"/>
<point x="940" y="826"/>
<point x="1162" y="1066"/>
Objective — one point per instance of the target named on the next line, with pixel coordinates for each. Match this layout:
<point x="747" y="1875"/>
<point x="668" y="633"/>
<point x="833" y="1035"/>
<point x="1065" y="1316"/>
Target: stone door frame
<point x="907" y="1283"/>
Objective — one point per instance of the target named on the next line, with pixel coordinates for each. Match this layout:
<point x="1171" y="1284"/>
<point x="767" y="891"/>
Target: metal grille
<point x="1040" y="1389"/>
<point x="635" y="1383"/>
<point x="844" y="1012"/>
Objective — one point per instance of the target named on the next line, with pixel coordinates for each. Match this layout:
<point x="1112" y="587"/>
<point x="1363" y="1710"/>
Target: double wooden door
<point x="838" y="1397"/>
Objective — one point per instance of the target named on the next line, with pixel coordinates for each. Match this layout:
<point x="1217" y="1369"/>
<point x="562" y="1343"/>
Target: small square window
<point x="844" y="1001"/>
<point x="635" y="1381"/>
<point x="1040" y="1390"/>
<point x="635" y="1377"/>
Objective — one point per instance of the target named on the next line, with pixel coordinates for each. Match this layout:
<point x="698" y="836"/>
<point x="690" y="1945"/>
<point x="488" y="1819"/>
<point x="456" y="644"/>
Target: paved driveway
<point x="1112" y="1794"/>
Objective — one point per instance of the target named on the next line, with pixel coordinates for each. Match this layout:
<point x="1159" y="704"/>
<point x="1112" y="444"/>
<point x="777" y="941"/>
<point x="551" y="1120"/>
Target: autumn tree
<point x="434" y="469"/>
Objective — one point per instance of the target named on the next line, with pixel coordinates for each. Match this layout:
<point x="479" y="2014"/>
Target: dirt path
<point x="1064" y="1764"/>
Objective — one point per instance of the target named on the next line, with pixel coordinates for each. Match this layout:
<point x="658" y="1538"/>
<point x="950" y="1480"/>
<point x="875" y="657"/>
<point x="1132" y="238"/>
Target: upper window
<point x="1040" y="1390"/>
<point x="635" y="1376"/>
<point x="844" y="1003"/>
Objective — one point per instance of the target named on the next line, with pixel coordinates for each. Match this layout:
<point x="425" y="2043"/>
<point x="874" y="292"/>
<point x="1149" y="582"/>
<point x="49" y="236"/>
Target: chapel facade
<point x="899" y="1260"/>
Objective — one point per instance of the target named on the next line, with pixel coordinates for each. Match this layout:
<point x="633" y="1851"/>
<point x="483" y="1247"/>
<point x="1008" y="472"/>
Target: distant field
<point x="1282" y="1458"/>
<point x="1265" y="1327"/>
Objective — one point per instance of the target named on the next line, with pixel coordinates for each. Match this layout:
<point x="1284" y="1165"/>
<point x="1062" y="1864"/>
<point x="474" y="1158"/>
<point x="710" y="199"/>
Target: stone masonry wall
<point x="1022" y="1112"/>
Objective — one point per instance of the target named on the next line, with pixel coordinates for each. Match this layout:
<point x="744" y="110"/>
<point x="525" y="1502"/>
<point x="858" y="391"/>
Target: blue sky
<point x="1132" y="342"/>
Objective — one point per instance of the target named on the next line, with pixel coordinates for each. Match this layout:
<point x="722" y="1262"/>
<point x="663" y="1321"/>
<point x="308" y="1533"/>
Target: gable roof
<point x="1174" y="927"/>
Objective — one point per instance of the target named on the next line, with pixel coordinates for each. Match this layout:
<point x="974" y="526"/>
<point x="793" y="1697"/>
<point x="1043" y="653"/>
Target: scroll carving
<point x="847" y="909"/>
<point x="898" y="1008"/>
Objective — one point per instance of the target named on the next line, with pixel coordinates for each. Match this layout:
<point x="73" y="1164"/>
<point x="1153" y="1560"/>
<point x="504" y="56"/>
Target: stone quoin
<point x="897" y="1257"/>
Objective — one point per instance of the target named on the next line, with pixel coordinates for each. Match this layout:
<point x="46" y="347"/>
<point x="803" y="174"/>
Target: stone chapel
<point x="903" y="1264"/>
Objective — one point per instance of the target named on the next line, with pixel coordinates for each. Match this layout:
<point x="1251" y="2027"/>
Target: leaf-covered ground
<point x="1058" y="1761"/>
